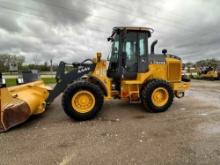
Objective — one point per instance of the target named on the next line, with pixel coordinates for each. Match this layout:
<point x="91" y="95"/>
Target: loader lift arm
<point x="20" y="102"/>
<point x="63" y="79"/>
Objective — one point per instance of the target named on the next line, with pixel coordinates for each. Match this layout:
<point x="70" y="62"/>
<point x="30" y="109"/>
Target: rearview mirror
<point x="110" y="39"/>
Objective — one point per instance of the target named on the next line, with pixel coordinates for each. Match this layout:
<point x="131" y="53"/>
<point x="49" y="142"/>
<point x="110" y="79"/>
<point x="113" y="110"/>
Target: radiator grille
<point x="174" y="71"/>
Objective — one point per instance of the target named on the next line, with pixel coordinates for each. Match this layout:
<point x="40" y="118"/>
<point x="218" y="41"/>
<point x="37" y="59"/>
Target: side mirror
<point x="110" y="39"/>
<point x="164" y="51"/>
<point x="123" y="59"/>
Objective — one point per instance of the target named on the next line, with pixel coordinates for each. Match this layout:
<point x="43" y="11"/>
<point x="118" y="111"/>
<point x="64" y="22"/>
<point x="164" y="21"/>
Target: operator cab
<point x="129" y="53"/>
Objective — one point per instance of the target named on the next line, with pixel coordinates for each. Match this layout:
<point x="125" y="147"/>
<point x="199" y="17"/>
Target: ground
<point x="188" y="133"/>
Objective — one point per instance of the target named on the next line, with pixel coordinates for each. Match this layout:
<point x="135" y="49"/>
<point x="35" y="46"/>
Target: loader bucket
<point x="20" y="102"/>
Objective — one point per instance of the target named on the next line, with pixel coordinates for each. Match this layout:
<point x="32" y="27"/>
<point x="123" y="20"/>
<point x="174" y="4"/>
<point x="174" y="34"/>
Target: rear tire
<point x="75" y="92"/>
<point x="157" y="96"/>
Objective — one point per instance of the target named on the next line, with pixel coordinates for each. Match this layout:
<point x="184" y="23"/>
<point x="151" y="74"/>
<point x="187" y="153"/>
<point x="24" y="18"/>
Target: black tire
<point x="76" y="87"/>
<point x="185" y="78"/>
<point x="147" y="93"/>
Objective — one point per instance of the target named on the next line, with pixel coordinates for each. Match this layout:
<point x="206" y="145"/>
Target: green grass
<point x="49" y="80"/>
<point x="12" y="81"/>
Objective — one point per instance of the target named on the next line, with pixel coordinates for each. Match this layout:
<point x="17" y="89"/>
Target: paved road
<point x="189" y="133"/>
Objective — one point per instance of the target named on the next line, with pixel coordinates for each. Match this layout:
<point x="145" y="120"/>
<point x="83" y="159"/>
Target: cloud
<point x="9" y="23"/>
<point x="64" y="12"/>
<point x="72" y="30"/>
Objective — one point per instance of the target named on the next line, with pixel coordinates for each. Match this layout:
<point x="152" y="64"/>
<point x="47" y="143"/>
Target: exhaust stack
<point x="152" y="46"/>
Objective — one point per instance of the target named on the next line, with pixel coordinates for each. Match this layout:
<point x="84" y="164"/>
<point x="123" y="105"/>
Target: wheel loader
<point x="209" y="73"/>
<point x="133" y="72"/>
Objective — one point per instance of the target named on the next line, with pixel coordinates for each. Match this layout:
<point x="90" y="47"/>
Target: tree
<point x="189" y="64"/>
<point x="4" y="62"/>
<point x="6" y="59"/>
<point x="44" y="67"/>
<point x="36" y="60"/>
<point x="208" y="62"/>
<point x="20" y="61"/>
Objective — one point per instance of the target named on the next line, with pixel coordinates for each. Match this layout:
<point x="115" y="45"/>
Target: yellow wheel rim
<point x="83" y="101"/>
<point x="160" y="96"/>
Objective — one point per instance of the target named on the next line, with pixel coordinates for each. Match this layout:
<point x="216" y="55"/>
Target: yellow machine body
<point x="82" y="100"/>
<point x="169" y="71"/>
<point x="20" y="102"/>
<point x="213" y="74"/>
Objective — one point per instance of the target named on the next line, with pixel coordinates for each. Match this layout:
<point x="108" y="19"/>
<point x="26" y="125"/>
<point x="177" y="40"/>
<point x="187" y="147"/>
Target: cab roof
<point x="134" y="28"/>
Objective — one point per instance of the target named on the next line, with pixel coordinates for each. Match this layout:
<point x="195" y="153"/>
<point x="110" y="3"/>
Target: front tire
<point x="82" y="100"/>
<point x="157" y="96"/>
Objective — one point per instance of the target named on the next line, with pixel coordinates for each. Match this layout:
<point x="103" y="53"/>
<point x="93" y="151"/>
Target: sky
<point x="73" y="30"/>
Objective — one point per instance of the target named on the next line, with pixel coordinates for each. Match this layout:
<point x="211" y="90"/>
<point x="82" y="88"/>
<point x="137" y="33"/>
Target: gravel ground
<point x="188" y="133"/>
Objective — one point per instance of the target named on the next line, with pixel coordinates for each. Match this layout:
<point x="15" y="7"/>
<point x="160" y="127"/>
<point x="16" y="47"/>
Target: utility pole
<point x="51" y="67"/>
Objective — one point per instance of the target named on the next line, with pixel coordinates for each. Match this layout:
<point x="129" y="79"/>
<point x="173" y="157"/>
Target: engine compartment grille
<point x="174" y="71"/>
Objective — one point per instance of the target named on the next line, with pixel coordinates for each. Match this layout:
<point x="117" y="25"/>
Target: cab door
<point x="142" y="52"/>
<point x="130" y="51"/>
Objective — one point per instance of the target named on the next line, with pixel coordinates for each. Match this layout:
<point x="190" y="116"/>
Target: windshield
<point x="115" y="48"/>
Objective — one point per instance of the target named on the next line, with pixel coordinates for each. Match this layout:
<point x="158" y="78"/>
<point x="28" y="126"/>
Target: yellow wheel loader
<point x="133" y="73"/>
<point x="209" y="73"/>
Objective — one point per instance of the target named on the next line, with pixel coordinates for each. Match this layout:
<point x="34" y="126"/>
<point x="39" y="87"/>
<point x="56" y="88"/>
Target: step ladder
<point x="134" y="95"/>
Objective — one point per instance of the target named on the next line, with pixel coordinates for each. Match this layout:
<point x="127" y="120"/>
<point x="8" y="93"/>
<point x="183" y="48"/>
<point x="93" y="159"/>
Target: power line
<point x="119" y="11"/>
<point x="20" y="13"/>
<point x="34" y="15"/>
<point x="71" y="11"/>
<point x="43" y="18"/>
<point x="100" y="17"/>
<point x="152" y="17"/>
<point x="46" y="18"/>
<point x="105" y="18"/>
<point x="188" y="30"/>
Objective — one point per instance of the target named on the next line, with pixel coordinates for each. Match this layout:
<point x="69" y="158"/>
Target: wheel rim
<point x="160" y="96"/>
<point x="83" y="101"/>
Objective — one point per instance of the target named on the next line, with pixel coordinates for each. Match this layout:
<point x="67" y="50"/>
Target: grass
<point x="49" y="80"/>
<point x="12" y="81"/>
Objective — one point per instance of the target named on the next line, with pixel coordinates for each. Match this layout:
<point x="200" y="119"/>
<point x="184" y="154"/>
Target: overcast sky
<point x="72" y="30"/>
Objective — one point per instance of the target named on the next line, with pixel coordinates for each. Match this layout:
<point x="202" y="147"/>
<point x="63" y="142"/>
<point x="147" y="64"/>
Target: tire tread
<point x="147" y="91"/>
